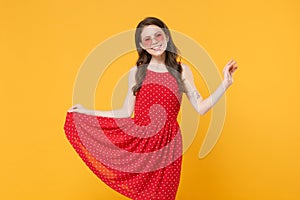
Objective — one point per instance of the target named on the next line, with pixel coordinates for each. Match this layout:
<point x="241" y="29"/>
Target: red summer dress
<point x="140" y="156"/>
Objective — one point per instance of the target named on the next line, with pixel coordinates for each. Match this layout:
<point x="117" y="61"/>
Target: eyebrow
<point x="159" y="31"/>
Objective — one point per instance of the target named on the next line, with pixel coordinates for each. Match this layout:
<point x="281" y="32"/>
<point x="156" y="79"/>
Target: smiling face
<point x="154" y="40"/>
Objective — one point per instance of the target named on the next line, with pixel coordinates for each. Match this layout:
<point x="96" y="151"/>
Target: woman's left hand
<point x="228" y="71"/>
<point x="78" y="108"/>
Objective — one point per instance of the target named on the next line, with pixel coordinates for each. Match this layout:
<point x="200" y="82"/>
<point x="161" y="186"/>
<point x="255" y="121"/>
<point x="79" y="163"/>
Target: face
<point x="154" y="40"/>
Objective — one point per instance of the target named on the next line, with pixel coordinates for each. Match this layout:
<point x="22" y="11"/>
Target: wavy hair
<point x="173" y="66"/>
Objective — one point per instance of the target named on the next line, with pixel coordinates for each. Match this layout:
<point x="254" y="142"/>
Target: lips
<point x="156" y="48"/>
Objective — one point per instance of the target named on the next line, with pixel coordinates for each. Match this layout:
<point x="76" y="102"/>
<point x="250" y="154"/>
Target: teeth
<point x="156" y="48"/>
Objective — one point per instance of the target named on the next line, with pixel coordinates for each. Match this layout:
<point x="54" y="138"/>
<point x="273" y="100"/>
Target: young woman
<point x="140" y="156"/>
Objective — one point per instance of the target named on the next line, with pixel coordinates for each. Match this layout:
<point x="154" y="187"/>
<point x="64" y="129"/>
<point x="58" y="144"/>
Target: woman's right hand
<point x="78" y="108"/>
<point x="228" y="71"/>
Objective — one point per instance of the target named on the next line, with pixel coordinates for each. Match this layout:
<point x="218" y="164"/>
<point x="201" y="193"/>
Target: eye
<point x="147" y="41"/>
<point x="159" y="36"/>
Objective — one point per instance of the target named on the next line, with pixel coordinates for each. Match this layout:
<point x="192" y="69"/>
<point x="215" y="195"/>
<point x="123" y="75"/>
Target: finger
<point x="74" y="108"/>
<point x="77" y="105"/>
<point x="230" y="62"/>
<point x="229" y="75"/>
<point x="71" y="108"/>
<point x="226" y="68"/>
<point x="233" y="65"/>
<point x="233" y="69"/>
<point x="229" y="65"/>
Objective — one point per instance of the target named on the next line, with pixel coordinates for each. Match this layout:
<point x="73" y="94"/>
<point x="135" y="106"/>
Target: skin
<point x="157" y="64"/>
<point x="158" y="57"/>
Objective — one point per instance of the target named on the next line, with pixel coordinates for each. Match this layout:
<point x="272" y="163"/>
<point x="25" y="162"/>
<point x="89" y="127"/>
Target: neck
<point x="158" y="60"/>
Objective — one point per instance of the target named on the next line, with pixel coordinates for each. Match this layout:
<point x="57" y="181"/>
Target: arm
<point x="125" y="111"/>
<point x="204" y="105"/>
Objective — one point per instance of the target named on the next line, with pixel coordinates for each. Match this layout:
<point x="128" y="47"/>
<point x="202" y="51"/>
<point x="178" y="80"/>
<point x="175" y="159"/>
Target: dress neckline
<point x="157" y="71"/>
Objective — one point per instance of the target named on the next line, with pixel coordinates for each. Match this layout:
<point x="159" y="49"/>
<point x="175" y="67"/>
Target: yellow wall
<point x="43" y="44"/>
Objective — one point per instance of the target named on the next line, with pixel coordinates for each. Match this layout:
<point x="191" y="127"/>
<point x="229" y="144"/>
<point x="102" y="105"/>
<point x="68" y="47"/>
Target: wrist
<point x="225" y="84"/>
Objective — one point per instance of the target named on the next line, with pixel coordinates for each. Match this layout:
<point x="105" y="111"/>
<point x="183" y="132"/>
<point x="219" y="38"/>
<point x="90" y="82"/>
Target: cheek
<point x="159" y="38"/>
<point x="146" y="43"/>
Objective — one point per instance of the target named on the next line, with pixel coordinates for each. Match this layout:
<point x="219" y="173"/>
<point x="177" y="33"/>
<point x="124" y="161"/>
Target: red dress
<point x="139" y="157"/>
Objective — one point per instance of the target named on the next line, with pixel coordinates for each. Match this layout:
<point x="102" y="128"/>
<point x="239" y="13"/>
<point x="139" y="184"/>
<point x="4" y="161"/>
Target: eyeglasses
<point x="147" y="41"/>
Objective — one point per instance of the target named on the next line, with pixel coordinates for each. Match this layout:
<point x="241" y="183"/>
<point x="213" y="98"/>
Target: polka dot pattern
<point x="139" y="157"/>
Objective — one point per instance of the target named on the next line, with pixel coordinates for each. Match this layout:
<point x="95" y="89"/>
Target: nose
<point x="154" y="41"/>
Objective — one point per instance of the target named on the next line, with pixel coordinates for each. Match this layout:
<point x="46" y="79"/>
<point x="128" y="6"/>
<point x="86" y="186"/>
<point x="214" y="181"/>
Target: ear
<point x="142" y="46"/>
<point x="167" y="39"/>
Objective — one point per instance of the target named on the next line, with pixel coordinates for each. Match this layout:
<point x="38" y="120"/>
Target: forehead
<point x="150" y="30"/>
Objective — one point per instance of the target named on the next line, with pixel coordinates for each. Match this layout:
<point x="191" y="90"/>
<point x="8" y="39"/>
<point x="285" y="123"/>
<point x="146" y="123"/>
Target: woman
<point x="140" y="156"/>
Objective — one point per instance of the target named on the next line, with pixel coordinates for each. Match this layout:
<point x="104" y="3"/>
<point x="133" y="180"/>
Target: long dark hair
<point x="173" y="66"/>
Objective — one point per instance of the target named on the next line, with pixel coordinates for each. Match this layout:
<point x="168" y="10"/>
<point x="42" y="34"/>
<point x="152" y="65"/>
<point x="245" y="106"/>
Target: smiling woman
<point x="156" y="51"/>
<point x="153" y="38"/>
<point x="141" y="156"/>
<point x="157" y="36"/>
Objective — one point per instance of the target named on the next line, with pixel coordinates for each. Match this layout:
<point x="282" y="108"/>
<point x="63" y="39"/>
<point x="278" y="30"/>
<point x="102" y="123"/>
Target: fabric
<point x="140" y="156"/>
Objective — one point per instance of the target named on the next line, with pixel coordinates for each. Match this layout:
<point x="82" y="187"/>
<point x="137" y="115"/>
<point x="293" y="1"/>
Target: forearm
<point x="203" y="106"/>
<point x="120" y="113"/>
<point x="126" y="110"/>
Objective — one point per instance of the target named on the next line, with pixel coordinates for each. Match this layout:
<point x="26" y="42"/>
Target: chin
<point x="156" y="53"/>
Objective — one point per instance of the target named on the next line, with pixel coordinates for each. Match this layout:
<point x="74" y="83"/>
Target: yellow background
<point x="43" y="44"/>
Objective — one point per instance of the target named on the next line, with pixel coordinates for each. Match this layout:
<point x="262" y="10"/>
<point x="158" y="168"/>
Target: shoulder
<point x="186" y="71"/>
<point x="133" y="70"/>
<point x="184" y="67"/>
<point x="131" y="74"/>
